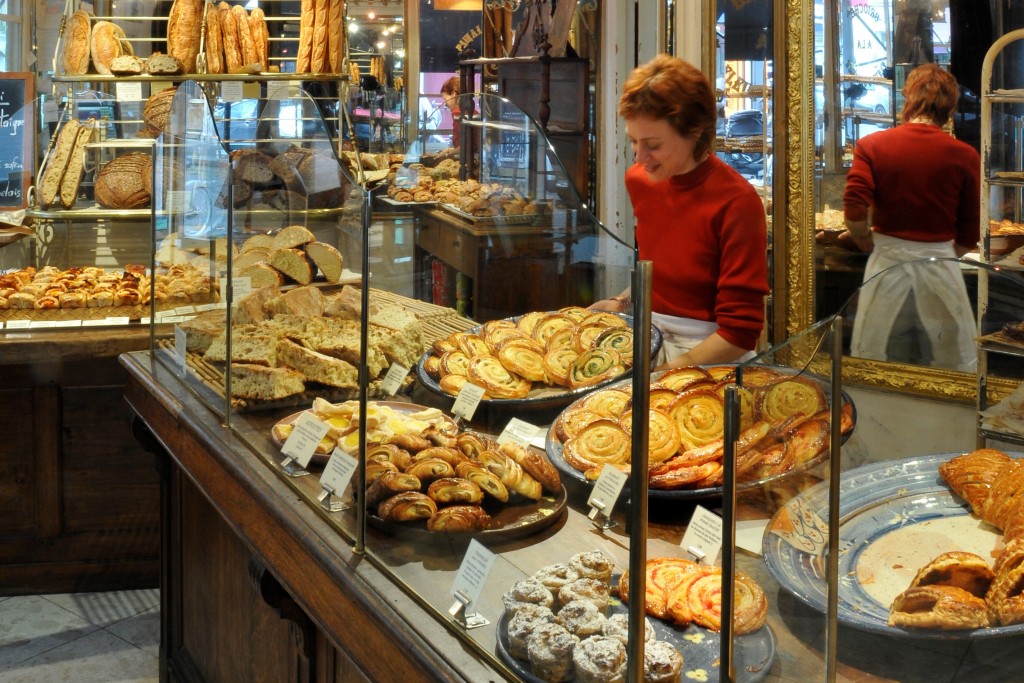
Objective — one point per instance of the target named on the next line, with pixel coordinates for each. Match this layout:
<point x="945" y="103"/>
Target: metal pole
<point x="732" y="421"/>
<point x="832" y="557"/>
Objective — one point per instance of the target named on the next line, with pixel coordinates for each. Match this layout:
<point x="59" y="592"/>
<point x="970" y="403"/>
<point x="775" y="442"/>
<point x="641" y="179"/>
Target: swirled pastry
<point x="584" y="336"/>
<point x="406" y="507"/>
<point x="443" y="346"/>
<point x="663" y="575"/>
<point x="797" y="395"/>
<point x="678" y="379"/>
<point x="660" y="397"/>
<point x="459" y="519"/>
<point x="432" y="366"/>
<point x="573" y="420"/>
<point x="721" y="372"/>
<point x="523" y="361"/>
<point x="756" y="375"/>
<point x="488" y="482"/>
<point x="700" y="417"/>
<point x="938" y="607"/>
<point x="455" y="490"/>
<point x="619" y="339"/>
<point x="594" y="367"/>
<point x="497" y="335"/>
<point x="488" y="373"/>
<point x="610" y="402"/>
<point x="663" y="440"/>
<point x="455" y="362"/>
<point x="746" y="397"/>
<point x="599" y="443"/>
<point x="528" y="321"/>
<point x="605" y="318"/>
<point x="560" y="339"/>
<point x="549" y="324"/>
<point x="452" y="384"/>
<point x="557" y="364"/>
<point x="471" y="344"/>
<point x="577" y="313"/>
<point x="520" y="339"/>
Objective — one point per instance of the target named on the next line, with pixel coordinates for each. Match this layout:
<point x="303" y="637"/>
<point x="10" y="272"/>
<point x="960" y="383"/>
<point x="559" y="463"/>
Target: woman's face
<point x="659" y="147"/>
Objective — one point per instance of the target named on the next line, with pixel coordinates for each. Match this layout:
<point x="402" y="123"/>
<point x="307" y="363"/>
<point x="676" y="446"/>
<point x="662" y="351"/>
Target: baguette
<point x="184" y="25"/>
<point x="229" y="32"/>
<point x="305" y="52"/>
<point x="318" y="57"/>
<point x="214" y="42"/>
<point x="73" y="173"/>
<point x="74" y="56"/>
<point x="260" y="36"/>
<point x="335" y="35"/>
<point x="50" y="184"/>
<point x="246" y="46"/>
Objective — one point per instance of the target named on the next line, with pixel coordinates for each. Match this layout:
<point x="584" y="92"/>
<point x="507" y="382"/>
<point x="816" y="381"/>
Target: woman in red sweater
<point x="699" y="222"/>
<point x="922" y="188"/>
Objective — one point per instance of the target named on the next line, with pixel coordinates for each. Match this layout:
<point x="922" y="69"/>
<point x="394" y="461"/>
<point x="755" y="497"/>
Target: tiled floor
<point x="80" y="637"/>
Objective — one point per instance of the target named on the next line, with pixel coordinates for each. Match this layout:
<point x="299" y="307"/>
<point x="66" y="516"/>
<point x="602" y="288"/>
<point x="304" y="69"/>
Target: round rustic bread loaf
<point x="157" y="110"/>
<point x="125" y="182"/>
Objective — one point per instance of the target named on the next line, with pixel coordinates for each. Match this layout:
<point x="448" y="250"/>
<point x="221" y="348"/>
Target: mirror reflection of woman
<point x="921" y="187"/>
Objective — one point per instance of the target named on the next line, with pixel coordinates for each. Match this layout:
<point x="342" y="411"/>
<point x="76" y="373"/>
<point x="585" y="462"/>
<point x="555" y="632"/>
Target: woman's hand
<point x="864" y="241"/>
<point x="616" y="304"/>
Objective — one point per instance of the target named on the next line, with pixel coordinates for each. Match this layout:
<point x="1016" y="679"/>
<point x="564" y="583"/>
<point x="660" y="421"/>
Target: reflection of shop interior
<point x="376" y="62"/>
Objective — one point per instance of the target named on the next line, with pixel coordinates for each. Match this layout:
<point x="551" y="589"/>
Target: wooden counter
<point x="261" y="583"/>
<point x="79" y="499"/>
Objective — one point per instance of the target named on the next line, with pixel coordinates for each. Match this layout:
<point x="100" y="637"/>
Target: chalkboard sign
<point x="17" y="129"/>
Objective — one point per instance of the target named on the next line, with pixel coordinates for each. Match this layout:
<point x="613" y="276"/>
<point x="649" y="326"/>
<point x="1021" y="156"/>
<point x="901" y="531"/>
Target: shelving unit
<point x="1002" y="198"/>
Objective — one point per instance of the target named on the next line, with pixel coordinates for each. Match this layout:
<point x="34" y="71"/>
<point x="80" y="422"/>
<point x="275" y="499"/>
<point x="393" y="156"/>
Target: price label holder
<point x="394" y="379"/>
<point x="469" y="582"/>
<point x="180" y="347"/>
<point x="604" y="495"/>
<point x="518" y="432"/>
<point x="703" y="537"/>
<point x="336" y="477"/>
<point x="466" y="402"/>
<point x="128" y="91"/>
<point x="298" y="448"/>
<point x="241" y="287"/>
<point x="231" y="91"/>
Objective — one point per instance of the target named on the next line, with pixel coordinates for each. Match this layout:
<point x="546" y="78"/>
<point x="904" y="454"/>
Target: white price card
<point x="49" y="111"/>
<point x="519" y="432"/>
<point x="97" y="322"/>
<point x="703" y="537"/>
<point x="184" y="310"/>
<point x="469" y="582"/>
<point x="180" y="346"/>
<point x="607" y="489"/>
<point x="19" y="324"/>
<point x="468" y="399"/>
<point x="42" y="324"/>
<point x="231" y="91"/>
<point x="338" y="471"/>
<point x="128" y="91"/>
<point x="394" y="378"/>
<point x="281" y="90"/>
<point x="307" y="432"/>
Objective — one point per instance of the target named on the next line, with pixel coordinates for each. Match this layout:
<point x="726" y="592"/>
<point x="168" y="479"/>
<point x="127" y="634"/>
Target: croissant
<point x="450" y="455"/>
<point x="447" y="490"/>
<point x="386" y="452"/>
<point x="459" y="518"/>
<point x="414" y="443"/>
<point x="389" y="483"/>
<point x="511" y="474"/>
<point x="472" y="445"/>
<point x="535" y="465"/>
<point x="407" y="507"/>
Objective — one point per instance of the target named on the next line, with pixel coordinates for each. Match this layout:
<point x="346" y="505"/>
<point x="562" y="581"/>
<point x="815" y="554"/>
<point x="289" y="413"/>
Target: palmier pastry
<point x="488" y="482"/>
<point x="679" y="379"/>
<point x="798" y="395"/>
<point x="452" y="490"/>
<point x="594" y="367"/>
<point x="406" y="507"/>
<point x="592" y="564"/>
<point x="581" y="618"/>
<point x="610" y="402"/>
<point x="389" y="483"/>
<point x="664" y="575"/>
<point x="550" y="649"/>
<point x="594" y="590"/>
<point x="527" y="592"/>
<point x="663" y="439"/>
<point x="599" y="443"/>
<point x="971" y="475"/>
<point x="534" y="464"/>
<point x="938" y="607"/>
<point x="511" y="474"/>
<point x="618" y="338"/>
<point x="523" y="361"/>
<point x="699" y="416"/>
<point x="429" y="469"/>
<point x="488" y="372"/>
<point x="557" y="364"/>
<point x="521" y="624"/>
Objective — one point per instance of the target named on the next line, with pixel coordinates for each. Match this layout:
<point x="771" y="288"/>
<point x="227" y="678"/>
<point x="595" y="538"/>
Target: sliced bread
<point x="292" y="236"/>
<point x="326" y="258"/>
<point x="259" y="241"/>
<point x="307" y="302"/>
<point x="201" y="330"/>
<point x="57" y="162"/>
<point x="293" y="263"/>
<point x="262" y="275"/>
<point x="248" y="258"/>
<point x="249" y="344"/>
<point x="317" y="367"/>
<point x="76" y="162"/>
<point x="250" y="309"/>
<point x="263" y="383"/>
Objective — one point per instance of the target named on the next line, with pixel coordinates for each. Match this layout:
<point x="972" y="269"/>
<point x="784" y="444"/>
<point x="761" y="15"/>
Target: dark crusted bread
<point x="125" y="182"/>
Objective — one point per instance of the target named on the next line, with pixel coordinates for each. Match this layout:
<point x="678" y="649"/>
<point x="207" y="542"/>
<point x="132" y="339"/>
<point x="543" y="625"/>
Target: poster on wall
<point x="17" y="98"/>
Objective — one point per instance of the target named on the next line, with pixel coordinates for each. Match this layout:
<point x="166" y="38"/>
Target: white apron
<point x="679" y="335"/>
<point x="926" y="303"/>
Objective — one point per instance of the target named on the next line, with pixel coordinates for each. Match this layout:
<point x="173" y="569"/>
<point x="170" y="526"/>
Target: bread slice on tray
<point x="264" y="384"/>
<point x="262" y="275"/>
<point x="317" y="367"/>
<point x="292" y="236"/>
<point x="327" y="259"/>
<point x="293" y="263"/>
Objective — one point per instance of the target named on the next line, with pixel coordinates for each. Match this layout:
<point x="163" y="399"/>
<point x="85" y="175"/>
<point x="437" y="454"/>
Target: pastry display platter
<point x="539" y="397"/>
<point x="553" y="447"/>
<point x="701" y="650"/>
<point x="895" y="517"/>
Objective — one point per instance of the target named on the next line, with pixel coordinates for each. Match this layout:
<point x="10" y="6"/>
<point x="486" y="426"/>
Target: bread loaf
<point x="305" y="302"/>
<point x="293" y="263"/>
<point x="126" y="65"/>
<point x="201" y="330"/>
<point x="184" y="24"/>
<point x="249" y="258"/>
<point x="286" y="167"/>
<point x="73" y="173"/>
<point x="125" y="182"/>
<point x="163" y="65"/>
<point x="317" y="367"/>
<point x="260" y="241"/>
<point x="74" y="56"/>
<point x="292" y="236"/>
<point x="57" y="162"/>
<point x="229" y="34"/>
<point x="262" y="275"/>
<point x="214" y="45"/>
<point x="321" y="176"/>
<point x="107" y="42"/>
<point x="318" y="57"/>
<point x="260" y="37"/>
<point x="327" y="259"/>
<point x="253" y="167"/>
<point x="157" y="110"/>
<point x="304" y="55"/>
<point x="246" y="45"/>
<point x="335" y="35"/>
<point x="266" y="384"/>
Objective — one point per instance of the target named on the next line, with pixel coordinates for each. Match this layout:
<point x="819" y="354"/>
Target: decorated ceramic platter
<point x="895" y="518"/>
<point x="555" y="447"/>
<point x="700" y="648"/>
<point x="540" y="395"/>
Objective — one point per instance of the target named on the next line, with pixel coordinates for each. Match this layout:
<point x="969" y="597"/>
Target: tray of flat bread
<point x="784" y="429"/>
<point x="931" y="546"/>
<point x="425" y="477"/>
<point x="542" y="359"/>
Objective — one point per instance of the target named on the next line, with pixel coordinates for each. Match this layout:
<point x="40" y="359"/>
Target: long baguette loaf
<point x="335" y="35"/>
<point x="260" y="36"/>
<point x="214" y="45"/>
<point x="50" y="184"/>
<point x="74" y="56"/>
<point x="245" y="42"/>
<point x="73" y="173"/>
<point x="305" y="51"/>
<point x="229" y="32"/>
<point x="318" y="58"/>
<point x="183" y="29"/>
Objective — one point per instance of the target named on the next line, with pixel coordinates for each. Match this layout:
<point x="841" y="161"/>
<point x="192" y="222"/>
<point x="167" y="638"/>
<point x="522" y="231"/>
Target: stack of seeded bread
<point x="291" y="255"/>
<point x="281" y="342"/>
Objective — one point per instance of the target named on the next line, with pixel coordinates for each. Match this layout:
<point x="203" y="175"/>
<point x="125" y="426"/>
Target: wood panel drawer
<point x="456" y="248"/>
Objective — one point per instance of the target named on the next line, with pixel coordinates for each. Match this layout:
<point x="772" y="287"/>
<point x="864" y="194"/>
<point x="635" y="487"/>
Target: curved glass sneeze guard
<point x="892" y="512"/>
